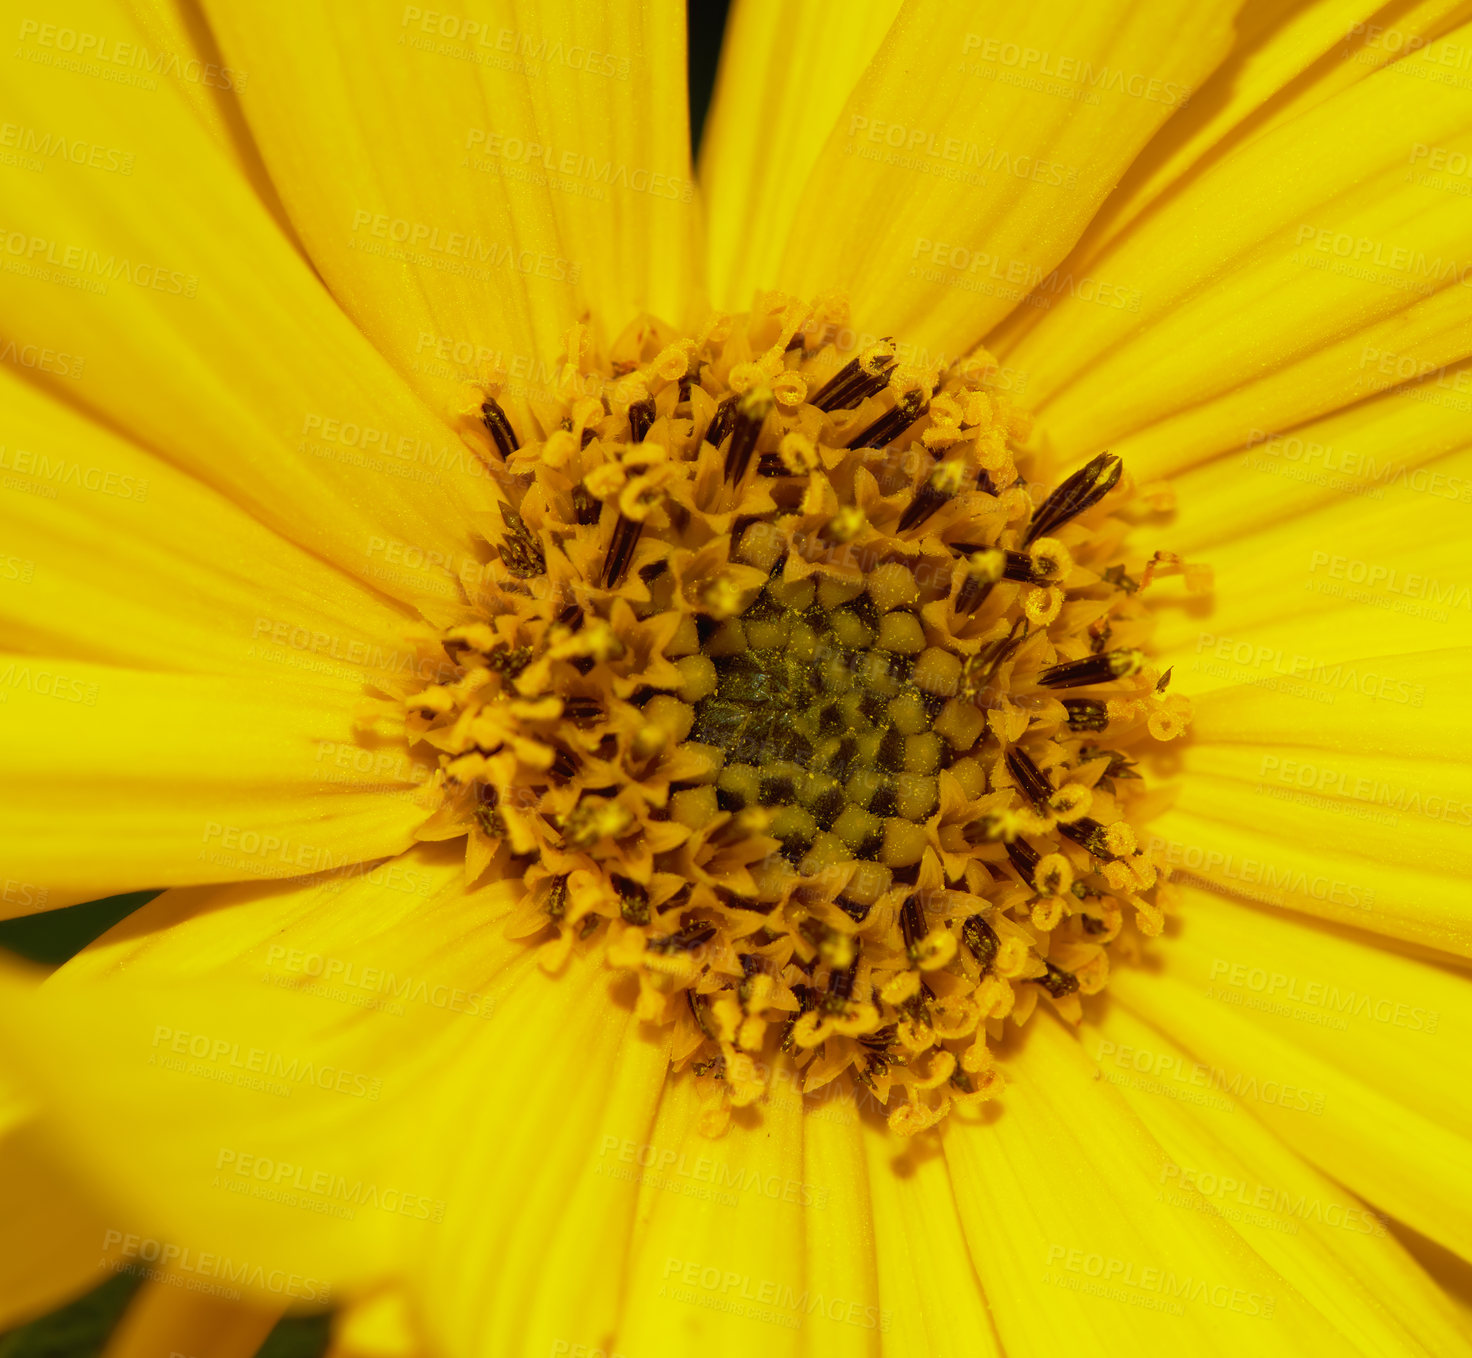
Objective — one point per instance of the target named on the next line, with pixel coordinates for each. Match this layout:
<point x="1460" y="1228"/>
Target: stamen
<point x="889" y="426"/>
<point x="499" y="428"/>
<point x="1092" y="669"/>
<point x="751" y="414"/>
<point x="1085" y="488"/>
<point x="859" y="378"/>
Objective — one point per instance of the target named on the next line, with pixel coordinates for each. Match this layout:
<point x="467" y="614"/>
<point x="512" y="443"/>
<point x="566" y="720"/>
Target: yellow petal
<point x="1224" y="1163"/>
<point x="1389" y="450"/>
<point x="1286" y="59"/>
<point x="944" y="191"/>
<point x="931" y="1299"/>
<point x="273" y="1094"/>
<point x="785" y="73"/>
<point x="99" y="534"/>
<point x="121" y="780"/>
<point x="206" y="337"/>
<point x="1057" y="1195"/>
<point x="1379" y="1105"/>
<point x="167" y="1316"/>
<point x="845" y="1254"/>
<point x="1266" y="291"/>
<point x="51" y="1234"/>
<point x="468" y="184"/>
<point x="716" y="1264"/>
<point x="532" y="1154"/>
<point x="1364" y="575"/>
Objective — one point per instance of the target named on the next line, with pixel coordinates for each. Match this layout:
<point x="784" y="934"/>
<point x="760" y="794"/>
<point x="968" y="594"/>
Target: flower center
<point x="789" y="691"/>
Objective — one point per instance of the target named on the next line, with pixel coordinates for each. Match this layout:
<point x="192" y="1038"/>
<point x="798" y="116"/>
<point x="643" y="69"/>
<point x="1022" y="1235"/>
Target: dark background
<point x="80" y="1330"/>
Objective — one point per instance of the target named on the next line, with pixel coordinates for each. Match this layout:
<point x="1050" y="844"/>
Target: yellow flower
<point x="317" y="318"/>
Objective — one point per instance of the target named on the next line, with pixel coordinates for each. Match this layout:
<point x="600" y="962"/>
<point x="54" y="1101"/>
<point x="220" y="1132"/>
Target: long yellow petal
<point x="1223" y="1163"/>
<point x="493" y="174"/>
<point x="944" y="191"/>
<point x="1286" y="60"/>
<point x="717" y="1264"/>
<point x="1057" y="1196"/>
<point x="206" y="336"/>
<point x="1265" y="293"/>
<point x="932" y="1301"/>
<point x="1380" y="1107"/>
<point x="168" y="1317"/>
<point x="786" y="71"/>
<point x="114" y="555"/>
<point x="123" y="779"/>
<point x="275" y="1093"/>
<point x="52" y="1235"/>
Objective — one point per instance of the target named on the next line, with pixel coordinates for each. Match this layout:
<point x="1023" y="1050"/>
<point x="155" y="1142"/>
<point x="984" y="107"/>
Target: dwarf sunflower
<point x="629" y="747"/>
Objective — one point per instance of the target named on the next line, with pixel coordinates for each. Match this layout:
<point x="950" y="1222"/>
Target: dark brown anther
<point x="1086" y="714"/>
<point x="940" y="486"/>
<point x="1092" y="669"/>
<point x="972" y="594"/>
<point x="686" y="939"/>
<point x="557" y="898"/>
<point x="1031" y="779"/>
<point x="620" y="550"/>
<point x="1019" y="566"/>
<point x="487" y="816"/>
<point x="571" y="617"/>
<point x="641" y="418"/>
<point x="751" y="414"/>
<point x="700" y="1009"/>
<point x="564" y="763"/>
<point x="889" y="426"/>
<point x="498" y="427"/>
<point x="1084" y="489"/>
<point x="521" y="553"/>
<point x="720" y="422"/>
<point x="1024" y="858"/>
<point x="912" y="923"/>
<point x="581" y="709"/>
<point x="841" y="981"/>
<point x="1056" y="981"/>
<point x="585" y="508"/>
<point x="1087" y="833"/>
<point x="633" y="899"/>
<point x="982" y="939"/>
<point x="858" y="379"/>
